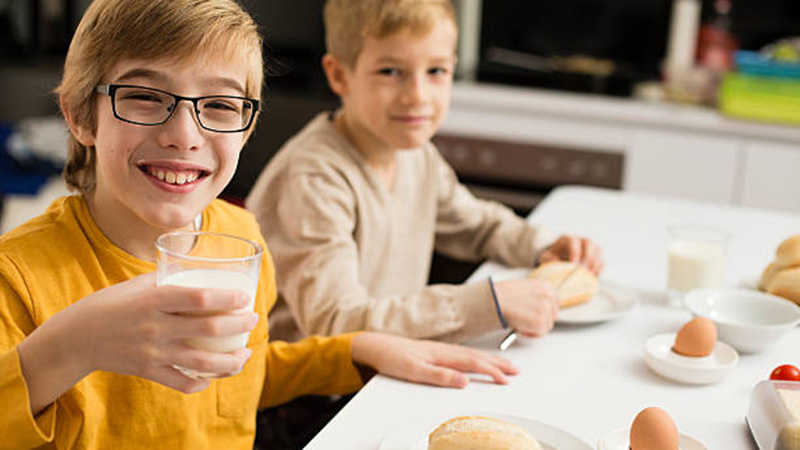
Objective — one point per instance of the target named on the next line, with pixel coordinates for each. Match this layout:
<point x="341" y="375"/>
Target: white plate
<point x="713" y="368"/>
<point x="414" y="435"/>
<point x="611" y="302"/>
<point x="618" y="440"/>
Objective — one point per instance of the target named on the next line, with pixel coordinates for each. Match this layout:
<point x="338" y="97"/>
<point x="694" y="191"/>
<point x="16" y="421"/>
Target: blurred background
<point x="689" y="98"/>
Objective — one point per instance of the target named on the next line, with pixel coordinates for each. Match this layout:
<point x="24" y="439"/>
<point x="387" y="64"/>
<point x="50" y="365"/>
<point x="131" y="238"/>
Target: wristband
<point x="503" y="322"/>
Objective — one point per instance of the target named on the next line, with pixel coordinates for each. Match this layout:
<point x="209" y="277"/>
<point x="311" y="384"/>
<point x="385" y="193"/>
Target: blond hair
<point x="349" y="22"/>
<point x="180" y="30"/>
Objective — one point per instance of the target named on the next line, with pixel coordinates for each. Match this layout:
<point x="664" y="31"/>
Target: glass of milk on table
<point x="696" y="259"/>
<point x="210" y="260"/>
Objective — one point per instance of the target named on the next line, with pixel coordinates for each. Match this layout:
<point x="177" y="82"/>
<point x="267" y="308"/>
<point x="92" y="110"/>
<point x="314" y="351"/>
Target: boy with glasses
<point x="160" y="97"/>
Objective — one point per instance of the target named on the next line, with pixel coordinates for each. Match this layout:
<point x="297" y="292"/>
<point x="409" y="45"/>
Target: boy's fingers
<point x="574" y="249"/>
<point x="172" y="378"/>
<point x="504" y="364"/>
<point x="179" y="299"/>
<point x="475" y="362"/>
<point x="218" y="325"/>
<point x="441" y="376"/>
<point x="481" y="366"/>
<point x="208" y="362"/>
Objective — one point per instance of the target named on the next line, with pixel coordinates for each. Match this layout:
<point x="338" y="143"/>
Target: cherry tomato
<point x="786" y="372"/>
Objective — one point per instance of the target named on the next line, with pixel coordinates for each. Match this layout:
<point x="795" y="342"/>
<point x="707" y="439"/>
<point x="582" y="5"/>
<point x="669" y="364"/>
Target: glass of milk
<point x="696" y="259"/>
<point x="210" y="260"/>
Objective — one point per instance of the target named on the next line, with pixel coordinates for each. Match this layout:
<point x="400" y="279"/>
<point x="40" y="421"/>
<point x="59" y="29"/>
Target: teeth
<point x="178" y="178"/>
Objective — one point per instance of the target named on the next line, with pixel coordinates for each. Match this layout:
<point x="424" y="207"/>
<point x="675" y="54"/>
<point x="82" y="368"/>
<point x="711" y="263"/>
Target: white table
<point x="589" y="380"/>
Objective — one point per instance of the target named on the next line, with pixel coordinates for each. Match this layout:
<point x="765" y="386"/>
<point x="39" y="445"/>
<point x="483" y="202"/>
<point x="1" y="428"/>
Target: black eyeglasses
<point x="148" y="106"/>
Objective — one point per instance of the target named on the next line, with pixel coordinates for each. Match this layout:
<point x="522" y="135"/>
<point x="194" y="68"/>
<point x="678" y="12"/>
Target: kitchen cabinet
<point x="685" y="165"/>
<point x="671" y="150"/>
<point x="771" y="175"/>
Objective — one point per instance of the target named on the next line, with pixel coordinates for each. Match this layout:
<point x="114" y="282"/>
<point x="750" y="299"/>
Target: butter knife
<point x="512" y="334"/>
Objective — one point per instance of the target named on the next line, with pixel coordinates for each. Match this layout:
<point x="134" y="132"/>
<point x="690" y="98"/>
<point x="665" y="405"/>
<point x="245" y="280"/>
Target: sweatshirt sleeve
<point x="315" y="365"/>
<point x="310" y="233"/>
<point x="19" y="428"/>
<point x="473" y="229"/>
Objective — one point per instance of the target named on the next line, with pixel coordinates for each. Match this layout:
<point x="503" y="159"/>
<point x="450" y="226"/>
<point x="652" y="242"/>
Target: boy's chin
<point x="174" y="221"/>
<point x="411" y="143"/>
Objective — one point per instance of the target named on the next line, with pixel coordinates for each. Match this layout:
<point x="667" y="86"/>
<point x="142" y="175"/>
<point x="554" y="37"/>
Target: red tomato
<point x="786" y="372"/>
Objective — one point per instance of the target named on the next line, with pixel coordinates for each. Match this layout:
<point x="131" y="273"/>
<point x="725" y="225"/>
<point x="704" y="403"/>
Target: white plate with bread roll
<point x="584" y="298"/>
<point x="479" y="430"/>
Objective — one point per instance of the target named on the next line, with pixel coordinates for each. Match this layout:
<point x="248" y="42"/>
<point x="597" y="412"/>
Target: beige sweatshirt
<point x="353" y="255"/>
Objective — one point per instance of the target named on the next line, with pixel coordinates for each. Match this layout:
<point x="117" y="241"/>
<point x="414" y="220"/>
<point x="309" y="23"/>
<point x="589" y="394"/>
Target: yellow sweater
<point x="60" y="257"/>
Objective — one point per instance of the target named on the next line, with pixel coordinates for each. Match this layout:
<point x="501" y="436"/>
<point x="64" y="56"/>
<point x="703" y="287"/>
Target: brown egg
<point x="696" y="338"/>
<point x="653" y="429"/>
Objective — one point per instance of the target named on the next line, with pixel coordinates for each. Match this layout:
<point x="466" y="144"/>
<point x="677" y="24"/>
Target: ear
<point x="336" y="72"/>
<point x="81" y="132"/>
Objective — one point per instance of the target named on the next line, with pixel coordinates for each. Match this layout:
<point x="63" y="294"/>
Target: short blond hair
<point x="349" y="22"/>
<point x="180" y="30"/>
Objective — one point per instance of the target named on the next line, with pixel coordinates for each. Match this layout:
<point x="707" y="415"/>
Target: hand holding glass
<point x="210" y="260"/>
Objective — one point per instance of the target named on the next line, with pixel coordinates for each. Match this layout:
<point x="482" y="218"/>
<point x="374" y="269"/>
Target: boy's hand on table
<point x="529" y="305"/>
<point x="136" y="328"/>
<point x="575" y="249"/>
<point x="427" y="362"/>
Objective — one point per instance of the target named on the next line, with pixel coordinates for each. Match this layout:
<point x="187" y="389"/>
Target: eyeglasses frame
<point x="110" y="90"/>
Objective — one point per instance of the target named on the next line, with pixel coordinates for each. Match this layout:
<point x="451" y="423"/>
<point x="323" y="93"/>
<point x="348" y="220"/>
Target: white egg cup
<point x="660" y="357"/>
<point x="619" y="440"/>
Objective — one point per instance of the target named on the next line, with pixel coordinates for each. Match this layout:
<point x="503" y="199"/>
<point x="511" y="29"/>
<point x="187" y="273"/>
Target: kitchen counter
<point x="508" y="100"/>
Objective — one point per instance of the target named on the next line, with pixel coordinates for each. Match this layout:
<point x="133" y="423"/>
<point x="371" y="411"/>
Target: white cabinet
<point x="668" y="149"/>
<point x="682" y="164"/>
<point x="771" y="175"/>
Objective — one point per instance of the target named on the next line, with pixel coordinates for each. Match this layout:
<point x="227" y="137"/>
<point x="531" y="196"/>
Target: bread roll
<point x="788" y="253"/>
<point x="766" y="277"/>
<point x="782" y="276"/>
<point x="481" y="433"/>
<point x="579" y="288"/>
<point x="785" y="283"/>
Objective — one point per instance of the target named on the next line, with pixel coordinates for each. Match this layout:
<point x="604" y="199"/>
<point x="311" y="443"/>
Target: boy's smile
<point x="153" y="179"/>
<point x="174" y="177"/>
<point x="397" y="93"/>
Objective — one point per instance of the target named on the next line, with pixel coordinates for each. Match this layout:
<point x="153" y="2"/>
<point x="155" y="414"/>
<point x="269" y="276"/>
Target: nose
<point x="182" y="130"/>
<point x="414" y="90"/>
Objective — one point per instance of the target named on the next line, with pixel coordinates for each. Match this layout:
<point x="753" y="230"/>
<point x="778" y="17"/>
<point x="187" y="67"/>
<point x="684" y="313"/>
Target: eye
<point x="438" y="71"/>
<point x="221" y="105"/>
<point x="144" y="96"/>
<point x="389" y="71"/>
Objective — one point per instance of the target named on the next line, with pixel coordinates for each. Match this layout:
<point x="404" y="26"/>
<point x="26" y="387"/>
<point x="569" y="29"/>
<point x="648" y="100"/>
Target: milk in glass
<point x="695" y="265"/>
<point x="697" y="257"/>
<point x="218" y="279"/>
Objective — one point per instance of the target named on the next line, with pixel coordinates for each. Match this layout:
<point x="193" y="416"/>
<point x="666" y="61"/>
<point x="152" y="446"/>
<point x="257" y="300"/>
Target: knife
<point x="512" y="334"/>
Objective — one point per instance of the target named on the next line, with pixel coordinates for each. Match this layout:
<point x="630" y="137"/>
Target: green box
<point x="767" y="99"/>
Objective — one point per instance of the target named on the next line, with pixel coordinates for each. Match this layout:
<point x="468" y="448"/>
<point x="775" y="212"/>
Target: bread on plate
<point x="481" y="433"/>
<point x="575" y="283"/>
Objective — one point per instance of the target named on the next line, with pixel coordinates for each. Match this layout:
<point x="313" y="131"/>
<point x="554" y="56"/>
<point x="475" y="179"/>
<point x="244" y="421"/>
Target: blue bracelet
<point x="497" y="304"/>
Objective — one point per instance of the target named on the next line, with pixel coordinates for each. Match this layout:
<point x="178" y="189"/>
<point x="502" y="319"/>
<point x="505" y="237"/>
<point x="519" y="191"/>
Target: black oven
<point x="599" y="46"/>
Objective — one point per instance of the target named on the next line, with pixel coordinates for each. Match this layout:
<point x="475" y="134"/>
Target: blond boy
<point x="354" y="205"/>
<point x="160" y="96"/>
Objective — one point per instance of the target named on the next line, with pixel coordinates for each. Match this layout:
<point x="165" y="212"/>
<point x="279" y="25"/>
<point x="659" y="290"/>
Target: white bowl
<point x="748" y="320"/>
<point x="660" y="357"/>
